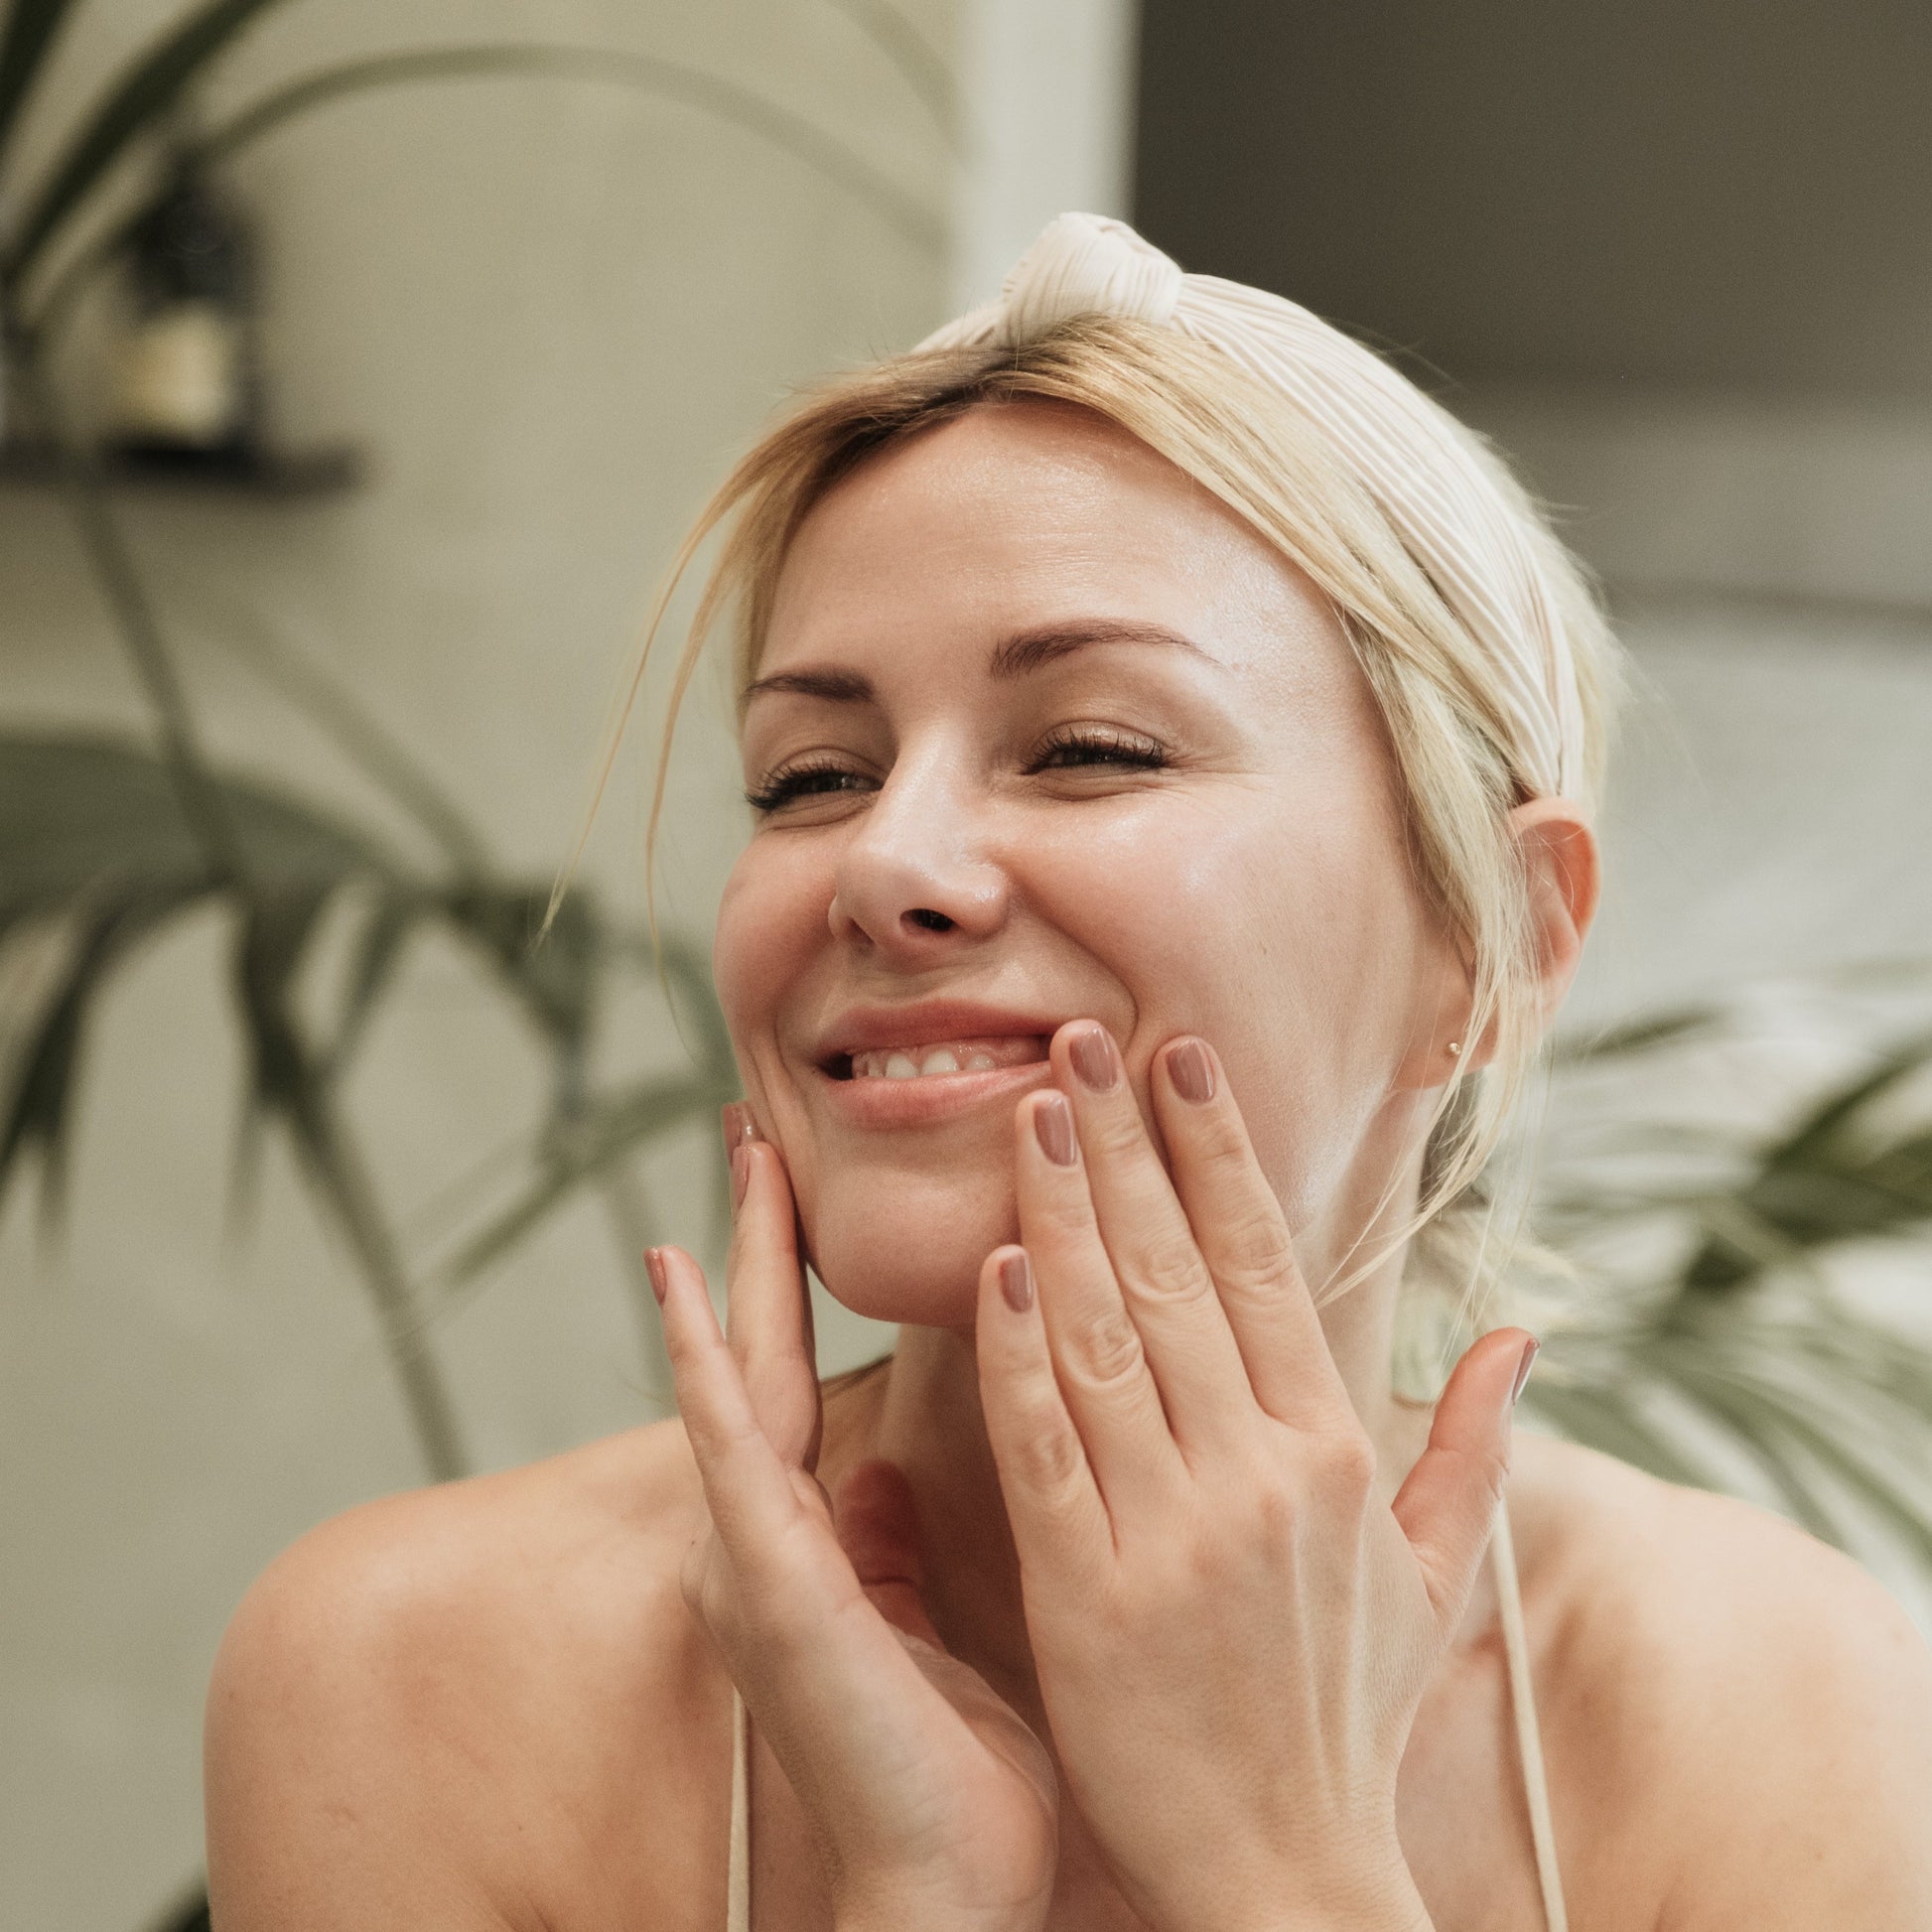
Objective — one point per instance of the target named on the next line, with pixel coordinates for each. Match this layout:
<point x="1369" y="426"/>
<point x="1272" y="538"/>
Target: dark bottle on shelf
<point x="186" y="387"/>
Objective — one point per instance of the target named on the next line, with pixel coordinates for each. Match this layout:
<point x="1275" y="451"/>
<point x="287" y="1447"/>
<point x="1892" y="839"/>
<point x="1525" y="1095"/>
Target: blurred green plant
<point x="1720" y="1239"/>
<point x="115" y="841"/>
<point x="104" y="842"/>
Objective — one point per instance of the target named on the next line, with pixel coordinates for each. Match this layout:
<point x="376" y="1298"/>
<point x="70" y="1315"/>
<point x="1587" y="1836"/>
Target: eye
<point x="1087" y="744"/>
<point x="809" y="779"/>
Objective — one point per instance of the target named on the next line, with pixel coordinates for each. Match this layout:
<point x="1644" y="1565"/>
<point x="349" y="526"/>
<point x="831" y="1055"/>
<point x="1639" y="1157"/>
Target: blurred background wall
<point x="1676" y="258"/>
<point x="1677" y="261"/>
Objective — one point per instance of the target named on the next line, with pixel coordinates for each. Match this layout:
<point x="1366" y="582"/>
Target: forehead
<point x="1023" y="513"/>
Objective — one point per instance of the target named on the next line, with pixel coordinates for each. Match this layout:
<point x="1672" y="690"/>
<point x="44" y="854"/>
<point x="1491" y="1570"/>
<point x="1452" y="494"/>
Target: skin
<point x="1183" y="1573"/>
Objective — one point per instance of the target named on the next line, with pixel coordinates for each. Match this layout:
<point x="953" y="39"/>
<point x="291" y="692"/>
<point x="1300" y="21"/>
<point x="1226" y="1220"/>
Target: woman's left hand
<point x="1232" y="1631"/>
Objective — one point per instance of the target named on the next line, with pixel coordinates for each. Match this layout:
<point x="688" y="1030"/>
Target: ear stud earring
<point x="1455" y="1049"/>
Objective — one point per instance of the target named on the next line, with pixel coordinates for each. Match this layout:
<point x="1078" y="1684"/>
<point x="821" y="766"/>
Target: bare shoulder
<point x="1745" y="1712"/>
<point x="482" y="1703"/>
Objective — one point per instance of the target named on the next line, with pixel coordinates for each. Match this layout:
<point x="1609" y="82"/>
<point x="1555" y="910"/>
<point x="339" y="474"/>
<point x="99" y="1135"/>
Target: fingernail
<point x="654" y="1267"/>
<point x="1192" y="1072"/>
<point x="739" y="1129"/>
<point x="1054" y="1129"/>
<point x="1523" y="1370"/>
<point x="740" y="1173"/>
<point x="1016" y="1280"/>
<point x="1094" y="1058"/>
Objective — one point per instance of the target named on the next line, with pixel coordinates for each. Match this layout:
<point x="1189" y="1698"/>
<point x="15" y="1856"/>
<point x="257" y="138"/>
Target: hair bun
<point x="1086" y="264"/>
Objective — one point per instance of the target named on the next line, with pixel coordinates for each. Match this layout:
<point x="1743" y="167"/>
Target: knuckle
<point x="1170" y="1270"/>
<point x="1346" y="1464"/>
<point x="1272" y="1505"/>
<point x="1066" y="1213"/>
<point x="1115" y="1130"/>
<point x="1259" y="1254"/>
<point x="1218" y="1133"/>
<point x="1106" y="1345"/>
<point x="1047" y="1457"/>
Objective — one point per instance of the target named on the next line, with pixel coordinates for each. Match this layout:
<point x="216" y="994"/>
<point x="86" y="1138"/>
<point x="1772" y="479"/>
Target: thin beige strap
<point x="1528" y="1742"/>
<point x="737" y="1883"/>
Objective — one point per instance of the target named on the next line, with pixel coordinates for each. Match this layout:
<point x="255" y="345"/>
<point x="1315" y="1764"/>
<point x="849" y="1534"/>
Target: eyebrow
<point x="1026" y="650"/>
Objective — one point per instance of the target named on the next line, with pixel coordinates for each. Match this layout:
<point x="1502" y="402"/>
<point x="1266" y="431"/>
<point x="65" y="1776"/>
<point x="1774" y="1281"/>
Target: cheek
<point x="1291" y="938"/>
<point x="771" y="929"/>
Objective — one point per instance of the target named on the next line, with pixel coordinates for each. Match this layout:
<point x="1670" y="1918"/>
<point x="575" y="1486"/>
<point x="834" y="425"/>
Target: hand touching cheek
<point x="1232" y="1633"/>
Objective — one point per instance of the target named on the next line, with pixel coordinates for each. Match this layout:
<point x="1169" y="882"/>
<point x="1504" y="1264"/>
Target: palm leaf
<point x="85" y="812"/>
<point x="91" y="830"/>
<point x="605" y="1133"/>
<point x="38" y="1110"/>
<point x="378" y="950"/>
<point x="32" y="28"/>
<point x="1756" y="1426"/>
<point x="1634" y="1036"/>
<point x="1600" y="1418"/>
<point x="1830" y="1178"/>
<point x="150" y="88"/>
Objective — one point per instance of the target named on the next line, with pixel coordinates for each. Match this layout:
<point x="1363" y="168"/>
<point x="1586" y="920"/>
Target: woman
<point x="1171" y="743"/>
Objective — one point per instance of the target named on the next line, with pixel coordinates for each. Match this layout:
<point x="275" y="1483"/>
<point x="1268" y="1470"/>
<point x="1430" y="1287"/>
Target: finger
<point x="748" y="1487"/>
<point x="1244" y="1238"/>
<point x="768" y="1311"/>
<point x="834" y="1688"/>
<point x="1053" y="1501"/>
<point x="879" y="1530"/>
<point x="1164" y="1279"/>
<point x="1448" y="1505"/>
<point x="1097" y="1352"/>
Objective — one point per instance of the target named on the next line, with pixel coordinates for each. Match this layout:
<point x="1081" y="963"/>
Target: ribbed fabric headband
<point x="1412" y="458"/>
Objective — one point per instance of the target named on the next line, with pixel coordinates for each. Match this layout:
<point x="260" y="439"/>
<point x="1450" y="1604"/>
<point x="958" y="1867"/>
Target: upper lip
<point x="922" y="1022"/>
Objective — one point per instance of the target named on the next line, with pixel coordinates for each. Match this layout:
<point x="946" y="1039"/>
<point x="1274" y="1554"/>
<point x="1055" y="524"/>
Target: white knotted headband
<point x="1423" y="476"/>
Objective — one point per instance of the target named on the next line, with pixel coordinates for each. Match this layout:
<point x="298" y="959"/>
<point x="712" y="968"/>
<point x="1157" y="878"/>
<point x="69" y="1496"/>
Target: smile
<point x="938" y="1058"/>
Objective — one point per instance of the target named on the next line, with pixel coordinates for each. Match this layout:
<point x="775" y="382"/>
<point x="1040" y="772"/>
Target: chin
<point x="908" y="1248"/>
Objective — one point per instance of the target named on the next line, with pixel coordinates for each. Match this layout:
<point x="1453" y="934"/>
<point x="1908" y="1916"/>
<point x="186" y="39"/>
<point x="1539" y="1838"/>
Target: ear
<point x="1562" y="875"/>
<point x="1559" y="856"/>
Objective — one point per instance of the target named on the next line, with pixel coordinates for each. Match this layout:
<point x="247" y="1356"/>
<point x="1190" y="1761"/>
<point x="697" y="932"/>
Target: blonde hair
<point x="1461" y="763"/>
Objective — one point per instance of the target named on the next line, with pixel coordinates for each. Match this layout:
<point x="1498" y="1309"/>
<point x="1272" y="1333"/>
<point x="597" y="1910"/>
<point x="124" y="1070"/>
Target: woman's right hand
<point x="932" y="1803"/>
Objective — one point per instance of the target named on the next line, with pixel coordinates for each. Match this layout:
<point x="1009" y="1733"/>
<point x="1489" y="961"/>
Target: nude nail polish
<point x="741" y="1157"/>
<point x="654" y="1267"/>
<point x="1095" y="1063"/>
<point x="1192" y="1072"/>
<point x="1523" y="1370"/>
<point x="1016" y="1280"/>
<point x="1054" y="1129"/>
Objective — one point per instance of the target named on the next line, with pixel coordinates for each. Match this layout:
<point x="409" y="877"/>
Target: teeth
<point x="921" y="1063"/>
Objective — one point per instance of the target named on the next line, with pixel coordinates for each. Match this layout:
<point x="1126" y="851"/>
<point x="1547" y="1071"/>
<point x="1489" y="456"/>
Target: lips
<point x="930" y="1039"/>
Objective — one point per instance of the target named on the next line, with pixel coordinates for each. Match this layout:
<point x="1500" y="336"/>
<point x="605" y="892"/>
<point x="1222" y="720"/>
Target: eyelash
<point x="1103" y="747"/>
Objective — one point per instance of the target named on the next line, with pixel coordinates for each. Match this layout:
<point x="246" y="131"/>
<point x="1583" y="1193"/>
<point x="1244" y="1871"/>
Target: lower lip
<point x="879" y="1102"/>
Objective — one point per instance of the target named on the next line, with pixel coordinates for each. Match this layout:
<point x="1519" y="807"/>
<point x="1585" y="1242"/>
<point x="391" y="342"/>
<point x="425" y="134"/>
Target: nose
<point x="916" y="881"/>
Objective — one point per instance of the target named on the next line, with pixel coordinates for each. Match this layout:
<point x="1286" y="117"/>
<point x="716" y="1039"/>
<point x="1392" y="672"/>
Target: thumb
<point x="878" y="1528"/>
<point x="1448" y="1505"/>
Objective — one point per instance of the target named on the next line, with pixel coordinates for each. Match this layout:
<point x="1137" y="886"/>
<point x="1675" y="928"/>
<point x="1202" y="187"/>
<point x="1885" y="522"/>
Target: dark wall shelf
<point x="284" y="477"/>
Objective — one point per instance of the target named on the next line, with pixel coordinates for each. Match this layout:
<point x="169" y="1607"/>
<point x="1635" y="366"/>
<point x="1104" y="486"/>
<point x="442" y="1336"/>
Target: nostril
<point x="932" y="920"/>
